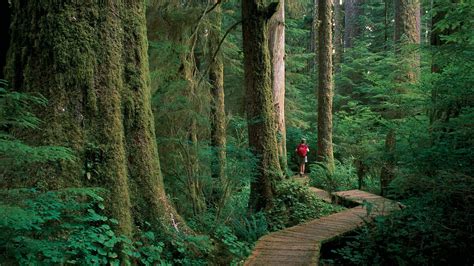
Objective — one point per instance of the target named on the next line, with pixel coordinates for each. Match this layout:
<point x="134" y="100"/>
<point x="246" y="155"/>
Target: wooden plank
<point x="322" y="194"/>
<point x="300" y="245"/>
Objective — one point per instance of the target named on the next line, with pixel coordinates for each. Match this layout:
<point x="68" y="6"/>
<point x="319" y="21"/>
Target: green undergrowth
<point x="55" y="227"/>
<point x="232" y="230"/>
<point x="67" y="227"/>
<point x="344" y="177"/>
<point x="234" y="234"/>
<point x="436" y="228"/>
<point x="295" y="204"/>
<point x="15" y="112"/>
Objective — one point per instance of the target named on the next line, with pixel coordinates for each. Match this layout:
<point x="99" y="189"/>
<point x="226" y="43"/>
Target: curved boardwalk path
<point x="300" y="245"/>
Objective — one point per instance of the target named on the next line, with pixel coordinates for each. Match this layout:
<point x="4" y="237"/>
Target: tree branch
<point x="223" y="38"/>
<point x="213" y="7"/>
<point x="218" y="48"/>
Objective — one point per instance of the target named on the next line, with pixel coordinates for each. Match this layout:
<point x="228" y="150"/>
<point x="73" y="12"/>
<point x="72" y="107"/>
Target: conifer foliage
<point x="92" y="91"/>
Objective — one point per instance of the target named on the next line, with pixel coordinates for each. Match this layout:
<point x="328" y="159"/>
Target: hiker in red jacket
<point x="302" y="152"/>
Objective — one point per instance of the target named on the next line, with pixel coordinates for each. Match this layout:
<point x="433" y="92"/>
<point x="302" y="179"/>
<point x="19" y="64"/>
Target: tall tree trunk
<point x="338" y="34"/>
<point x="218" y="119"/>
<point x="90" y="61"/>
<point x="407" y="37"/>
<point x="277" y="53"/>
<point x="352" y="25"/>
<point x="5" y="33"/>
<point x="325" y="85"/>
<point x="407" y="40"/>
<point x="259" y="100"/>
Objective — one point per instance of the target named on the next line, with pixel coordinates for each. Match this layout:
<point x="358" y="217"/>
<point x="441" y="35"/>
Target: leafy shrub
<point x="250" y="228"/>
<point x="432" y="230"/>
<point x="238" y="250"/>
<point x="294" y="204"/>
<point x="66" y="227"/>
<point x="233" y="233"/>
<point x="189" y="249"/>
<point x="342" y="178"/>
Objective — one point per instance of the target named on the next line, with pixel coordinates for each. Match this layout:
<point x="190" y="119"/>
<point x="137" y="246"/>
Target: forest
<point x="168" y="132"/>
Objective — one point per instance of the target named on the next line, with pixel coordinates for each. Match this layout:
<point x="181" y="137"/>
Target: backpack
<point x="302" y="150"/>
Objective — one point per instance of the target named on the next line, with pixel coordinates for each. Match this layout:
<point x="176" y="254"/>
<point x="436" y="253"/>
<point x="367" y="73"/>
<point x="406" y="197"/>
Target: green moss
<point x="260" y="111"/>
<point x="89" y="60"/>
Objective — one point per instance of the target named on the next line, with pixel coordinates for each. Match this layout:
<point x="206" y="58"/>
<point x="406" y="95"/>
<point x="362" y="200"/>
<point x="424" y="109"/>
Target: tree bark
<point x="407" y="37"/>
<point x="259" y="101"/>
<point x="352" y="27"/>
<point x="277" y="53"/>
<point x="5" y="33"/>
<point x="218" y="118"/>
<point x="90" y="61"/>
<point x="325" y="85"/>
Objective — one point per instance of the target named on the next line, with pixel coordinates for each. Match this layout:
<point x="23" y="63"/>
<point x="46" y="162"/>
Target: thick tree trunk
<point x="218" y="118"/>
<point x="260" y="111"/>
<point x="407" y="37"/>
<point x="325" y="85"/>
<point x="352" y="28"/>
<point x="5" y="33"/>
<point x="90" y="61"/>
<point x="277" y="52"/>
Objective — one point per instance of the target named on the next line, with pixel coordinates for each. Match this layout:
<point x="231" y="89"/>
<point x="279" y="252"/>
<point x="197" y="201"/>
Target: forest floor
<point x="301" y="244"/>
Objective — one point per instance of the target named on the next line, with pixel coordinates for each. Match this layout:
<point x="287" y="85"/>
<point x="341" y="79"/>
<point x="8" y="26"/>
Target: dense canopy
<point x="167" y="132"/>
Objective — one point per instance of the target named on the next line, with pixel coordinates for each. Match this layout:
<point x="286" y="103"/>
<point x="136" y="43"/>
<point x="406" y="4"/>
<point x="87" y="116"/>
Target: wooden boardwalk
<point x="300" y="245"/>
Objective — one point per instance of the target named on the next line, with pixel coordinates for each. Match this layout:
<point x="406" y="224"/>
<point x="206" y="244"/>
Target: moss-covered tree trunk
<point x="175" y="58"/>
<point x="89" y="59"/>
<point x="407" y="38"/>
<point x="259" y="101"/>
<point x="277" y="53"/>
<point x="218" y="118"/>
<point x="325" y="85"/>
